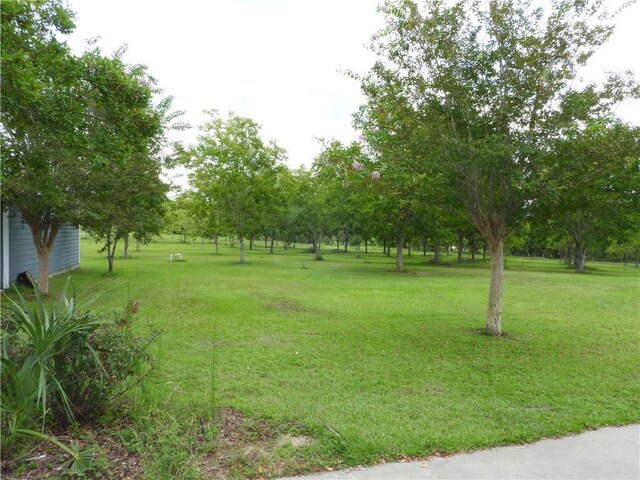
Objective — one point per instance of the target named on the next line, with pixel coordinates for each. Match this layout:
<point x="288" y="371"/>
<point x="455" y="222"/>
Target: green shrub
<point x="100" y="365"/>
<point x="62" y="363"/>
<point x="32" y="336"/>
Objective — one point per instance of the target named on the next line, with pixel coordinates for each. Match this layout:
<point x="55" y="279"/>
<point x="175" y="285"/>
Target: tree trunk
<point x="460" y="246"/>
<point x="436" y="252"/>
<point x="580" y="256"/>
<point x="241" y="241"/>
<point x="366" y="247"/>
<point x="111" y="252"/>
<point x="409" y="248"/>
<point x="251" y="242"/>
<point x="424" y="246"/>
<point x="43" y="240"/>
<point x="472" y="247"/>
<point x="126" y="246"/>
<point x="137" y="244"/>
<point x="346" y="244"/>
<point x="215" y="242"/>
<point x="384" y="247"/>
<point x="43" y="265"/>
<point x="314" y="246"/>
<point x="271" y="245"/>
<point x="337" y="244"/>
<point x="399" y="245"/>
<point x="494" y="311"/>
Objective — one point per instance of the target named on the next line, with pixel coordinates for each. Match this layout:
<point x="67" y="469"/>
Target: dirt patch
<point x="296" y="441"/>
<point x="250" y="448"/>
<point x="111" y="459"/>
<point x="285" y="305"/>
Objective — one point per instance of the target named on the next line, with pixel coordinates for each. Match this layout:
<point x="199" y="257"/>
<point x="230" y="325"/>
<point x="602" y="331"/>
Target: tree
<point x="594" y="176"/>
<point x="118" y="186"/>
<point x="73" y="126"/>
<point x="129" y="199"/>
<point x="491" y="83"/>
<point x="236" y="170"/>
<point x="42" y="111"/>
<point x="309" y="215"/>
<point x="180" y="216"/>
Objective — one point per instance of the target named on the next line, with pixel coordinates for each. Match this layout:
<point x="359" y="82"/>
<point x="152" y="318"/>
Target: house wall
<point x="4" y="249"/>
<point x="64" y="256"/>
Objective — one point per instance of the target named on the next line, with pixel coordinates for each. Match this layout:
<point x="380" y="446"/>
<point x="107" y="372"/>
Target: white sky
<point x="275" y="61"/>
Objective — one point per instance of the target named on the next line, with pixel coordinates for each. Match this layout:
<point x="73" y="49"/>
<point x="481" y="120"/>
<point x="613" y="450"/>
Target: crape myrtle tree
<point x="337" y="170"/>
<point x="120" y="190"/>
<point x="308" y="213"/>
<point x="410" y="184"/>
<point x="594" y="178"/>
<point x="273" y="223"/>
<point x="628" y="250"/>
<point x="42" y="113"/>
<point x="79" y="132"/>
<point x="197" y="214"/>
<point x="232" y="166"/>
<point x="180" y="216"/>
<point x="489" y="81"/>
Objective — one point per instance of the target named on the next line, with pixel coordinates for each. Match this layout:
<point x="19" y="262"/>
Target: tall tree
<point x="234" y="168"/>
<point x="42" y="111"/>
<point x="491" y="83"/>
<point x="72" y="126"/>
<point x="118" y="187"/>
<point x="594" y="176"/>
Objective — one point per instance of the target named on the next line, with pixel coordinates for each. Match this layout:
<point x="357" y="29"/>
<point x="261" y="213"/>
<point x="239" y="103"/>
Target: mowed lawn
<point x="376" y="364"/>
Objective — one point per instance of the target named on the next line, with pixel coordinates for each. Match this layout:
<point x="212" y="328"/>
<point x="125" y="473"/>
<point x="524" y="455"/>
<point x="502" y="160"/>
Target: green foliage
<point x="235" y="173"/>
<point x="82" y="136"/>
<point x="478" y="92"/>
<point x="36" y="335"/>
<point x="592" y="175"/>
<point x="102" y="364"/>
<point x="62" y="363"/>
<point x="81" y="460"/>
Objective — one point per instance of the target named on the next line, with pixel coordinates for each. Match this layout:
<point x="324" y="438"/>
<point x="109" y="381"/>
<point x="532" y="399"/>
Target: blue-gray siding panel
<point x="22" y="254"/>
<point x="66" y="250"/>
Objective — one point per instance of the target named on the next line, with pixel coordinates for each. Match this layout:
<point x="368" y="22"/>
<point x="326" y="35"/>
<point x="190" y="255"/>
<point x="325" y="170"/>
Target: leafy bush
<point x="318" y="257"/>
<point x="62" y="363"/>
<point x="101" y="365"/>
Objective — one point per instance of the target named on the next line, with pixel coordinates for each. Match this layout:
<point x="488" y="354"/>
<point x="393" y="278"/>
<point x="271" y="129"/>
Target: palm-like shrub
<point x="61" y="362"/>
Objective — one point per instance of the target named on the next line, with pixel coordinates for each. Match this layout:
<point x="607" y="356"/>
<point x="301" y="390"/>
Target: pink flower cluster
<point x="375" y="175"/>
<point x="357" y="166"/>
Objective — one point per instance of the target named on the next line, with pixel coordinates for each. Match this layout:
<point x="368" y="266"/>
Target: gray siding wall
<point x="64" y="256"/>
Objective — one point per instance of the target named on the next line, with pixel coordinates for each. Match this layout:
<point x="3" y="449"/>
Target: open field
<point x="370" y="363"/>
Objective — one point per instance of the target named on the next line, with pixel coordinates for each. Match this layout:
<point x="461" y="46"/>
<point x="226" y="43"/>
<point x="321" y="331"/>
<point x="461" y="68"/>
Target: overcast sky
<point x="275" y="61"/>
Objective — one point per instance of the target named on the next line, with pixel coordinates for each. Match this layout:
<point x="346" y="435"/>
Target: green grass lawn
<point x="370" y="363"/>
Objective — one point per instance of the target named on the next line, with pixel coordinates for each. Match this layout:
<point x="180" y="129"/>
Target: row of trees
<point x="82" y="135"/>
<point x="338" y="201"/>
<point x="475" y="122"/>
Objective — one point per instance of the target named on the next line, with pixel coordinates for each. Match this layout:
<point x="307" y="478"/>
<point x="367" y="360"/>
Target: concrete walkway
<point x="608" y="453"/>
